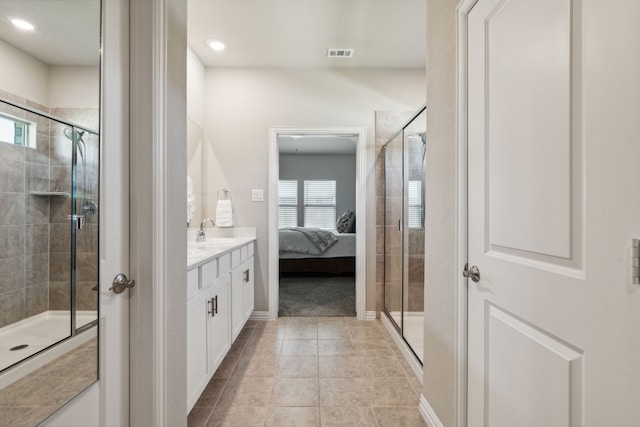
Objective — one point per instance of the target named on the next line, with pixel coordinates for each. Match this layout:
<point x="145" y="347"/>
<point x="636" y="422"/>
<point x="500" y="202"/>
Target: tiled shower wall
<point x="28" y="237"/>
<point x="24" y="222"/>
<point x="387" y="124"/>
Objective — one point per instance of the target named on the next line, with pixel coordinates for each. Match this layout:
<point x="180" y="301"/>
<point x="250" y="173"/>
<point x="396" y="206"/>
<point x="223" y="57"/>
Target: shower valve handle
<point x="120" y="283"/>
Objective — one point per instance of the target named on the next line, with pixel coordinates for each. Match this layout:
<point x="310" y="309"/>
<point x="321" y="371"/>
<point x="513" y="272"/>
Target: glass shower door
<point x="393" y="236"/>
<point x="85" y="220"/>
<point x="415" y="149"/>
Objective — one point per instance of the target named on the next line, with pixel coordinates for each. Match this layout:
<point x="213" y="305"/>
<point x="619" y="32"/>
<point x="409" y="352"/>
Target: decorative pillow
<point x="344" y="224"/>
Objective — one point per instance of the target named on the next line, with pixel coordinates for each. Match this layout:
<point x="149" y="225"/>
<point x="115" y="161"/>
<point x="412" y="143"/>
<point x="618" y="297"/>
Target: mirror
<point x="49" y="204"/>
<point x="195" y="173"/>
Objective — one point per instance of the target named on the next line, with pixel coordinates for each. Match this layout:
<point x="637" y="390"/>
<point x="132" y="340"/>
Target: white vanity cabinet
<point x="219" y="302"/>
<point x="241" y="287"/>
<point x="247" y="283"/>
<point x="208" y="334"/>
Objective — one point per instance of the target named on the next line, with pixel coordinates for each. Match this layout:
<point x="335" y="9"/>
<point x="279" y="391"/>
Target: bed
<point x="299" y="253"/>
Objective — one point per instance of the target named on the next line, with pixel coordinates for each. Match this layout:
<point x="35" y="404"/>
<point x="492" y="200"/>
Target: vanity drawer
<point x="224" y="264"/>
<point x="209" y="273"/>
<point x="250" y="250"/>
<point x="235" y="258"/>
<point x="193" y="282"/>
<point x="243" y="253"/>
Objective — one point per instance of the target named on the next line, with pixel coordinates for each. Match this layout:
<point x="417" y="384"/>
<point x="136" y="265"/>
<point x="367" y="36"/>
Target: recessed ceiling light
<point x="216" y="44"/>
<point x="22" y="24"/>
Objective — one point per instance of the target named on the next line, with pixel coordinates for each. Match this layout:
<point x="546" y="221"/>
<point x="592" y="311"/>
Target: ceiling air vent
<point x="340" y="53"/>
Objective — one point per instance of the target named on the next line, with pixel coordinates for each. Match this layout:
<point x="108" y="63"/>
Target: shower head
<point x="69" y="133"/>
<point x="75" y="135"/>
<point x="422" y="135"/>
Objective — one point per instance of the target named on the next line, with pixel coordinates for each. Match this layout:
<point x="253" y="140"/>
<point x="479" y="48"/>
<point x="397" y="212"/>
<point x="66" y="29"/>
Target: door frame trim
<point x="461" y="241"/>
<point x="157" y="205"/>
<point x="361" y="206"/>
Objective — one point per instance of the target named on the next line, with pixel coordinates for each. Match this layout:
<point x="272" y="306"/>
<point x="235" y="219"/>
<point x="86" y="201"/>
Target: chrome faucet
<point x="200" y="236"/>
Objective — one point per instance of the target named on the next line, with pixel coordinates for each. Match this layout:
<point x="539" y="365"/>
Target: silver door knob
<point x="120" y="283"/>
<point x="474" y="273"/>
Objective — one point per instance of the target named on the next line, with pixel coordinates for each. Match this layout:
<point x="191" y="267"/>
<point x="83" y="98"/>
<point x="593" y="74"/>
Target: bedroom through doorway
<point x="316" y="222"/>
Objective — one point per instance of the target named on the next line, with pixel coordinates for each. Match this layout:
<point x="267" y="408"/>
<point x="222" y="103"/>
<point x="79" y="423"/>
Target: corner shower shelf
<point x="50" y="193"/>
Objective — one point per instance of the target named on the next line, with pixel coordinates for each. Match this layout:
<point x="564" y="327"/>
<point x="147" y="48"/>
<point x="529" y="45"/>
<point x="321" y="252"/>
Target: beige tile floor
<point x="298" y="371"/>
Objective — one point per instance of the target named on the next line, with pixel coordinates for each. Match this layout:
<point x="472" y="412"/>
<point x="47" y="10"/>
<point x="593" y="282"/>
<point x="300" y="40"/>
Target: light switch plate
<point x="257" y="195"/>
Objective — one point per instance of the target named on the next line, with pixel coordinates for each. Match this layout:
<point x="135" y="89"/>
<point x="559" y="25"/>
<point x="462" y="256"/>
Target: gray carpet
<point x="317" y="296"/>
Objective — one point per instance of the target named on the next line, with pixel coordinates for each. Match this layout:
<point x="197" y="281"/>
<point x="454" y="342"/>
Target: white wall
<point x="51" y="86"/>
<point x="341" y="168"/>
<point x="23" y="75"/>
<point x="241" y="105"/>
<point x="440" y="215"/>
<point x="74" y="87"/>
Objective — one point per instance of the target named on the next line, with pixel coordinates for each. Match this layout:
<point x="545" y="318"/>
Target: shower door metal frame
<point x="399" y="328"/>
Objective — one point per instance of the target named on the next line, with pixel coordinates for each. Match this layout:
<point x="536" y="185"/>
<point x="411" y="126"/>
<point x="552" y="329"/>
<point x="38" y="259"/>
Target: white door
<point x="553" y="178"/>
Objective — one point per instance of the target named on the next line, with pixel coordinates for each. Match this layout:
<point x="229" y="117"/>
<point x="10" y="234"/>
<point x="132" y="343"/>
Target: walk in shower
<point x="49" y="184"/>
<point x="404" y="233"/>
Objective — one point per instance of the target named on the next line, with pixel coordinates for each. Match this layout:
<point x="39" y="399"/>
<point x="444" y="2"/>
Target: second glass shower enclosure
<point x="404" y="174"/>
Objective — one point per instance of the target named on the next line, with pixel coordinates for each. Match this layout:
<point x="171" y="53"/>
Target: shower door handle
<point x="79" y="220"/>
<point x="120" y="283"/>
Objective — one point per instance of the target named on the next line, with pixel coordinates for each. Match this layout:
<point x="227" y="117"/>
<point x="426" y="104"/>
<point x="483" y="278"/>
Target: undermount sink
<point x="195" y="252"/>
<point x="211" y="241"/>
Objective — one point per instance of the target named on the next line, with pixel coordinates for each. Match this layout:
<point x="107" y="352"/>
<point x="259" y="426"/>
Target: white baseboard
<point x="428" y="413"/>
<point x="260" y="315"/>
<point x="369" y="315"/>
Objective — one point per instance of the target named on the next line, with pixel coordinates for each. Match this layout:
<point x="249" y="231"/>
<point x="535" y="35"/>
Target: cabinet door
<point x="197" y="323"/>
<point x="218" y="334"/>
<point x="237" y="313"/>
<point x="247" y="284"/>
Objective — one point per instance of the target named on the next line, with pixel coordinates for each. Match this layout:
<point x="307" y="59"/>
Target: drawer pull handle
<point x="245" y="276"/>
<point x="211" y="311"/>
<point x="216" y="304"/>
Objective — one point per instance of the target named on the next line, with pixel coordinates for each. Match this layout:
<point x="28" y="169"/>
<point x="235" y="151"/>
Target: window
<point x="320" y="204"/>
<point x="287" y="203"/>
<point x="415" y="204"/>
<point x="16" y="131"/>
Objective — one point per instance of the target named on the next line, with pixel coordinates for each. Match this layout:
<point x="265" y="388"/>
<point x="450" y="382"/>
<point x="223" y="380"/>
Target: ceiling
<point x="258" y="33"/>
<point x="67" y="31"/>
<point x="317" y="144"/>
<point x="297" y="33"/>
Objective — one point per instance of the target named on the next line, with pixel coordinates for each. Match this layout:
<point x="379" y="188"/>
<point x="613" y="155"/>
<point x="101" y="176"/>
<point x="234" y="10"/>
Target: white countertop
<point x="203" y="252"/>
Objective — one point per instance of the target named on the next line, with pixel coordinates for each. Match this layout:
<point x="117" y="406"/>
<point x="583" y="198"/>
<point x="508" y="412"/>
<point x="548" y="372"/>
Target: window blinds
<point x="415" y="204"/>
<point x="287" y="203"/>
<point x="320" y="204"/>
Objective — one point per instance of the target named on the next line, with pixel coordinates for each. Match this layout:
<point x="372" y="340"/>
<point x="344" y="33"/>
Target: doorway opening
<point x="316" y="248"/>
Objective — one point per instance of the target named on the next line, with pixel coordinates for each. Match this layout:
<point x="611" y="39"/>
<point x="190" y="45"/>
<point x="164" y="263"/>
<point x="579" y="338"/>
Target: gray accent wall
<point x="341" y="168"/>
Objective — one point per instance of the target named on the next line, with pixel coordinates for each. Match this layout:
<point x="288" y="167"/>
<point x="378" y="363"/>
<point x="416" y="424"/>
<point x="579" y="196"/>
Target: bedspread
<point x="312" y="241"/>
